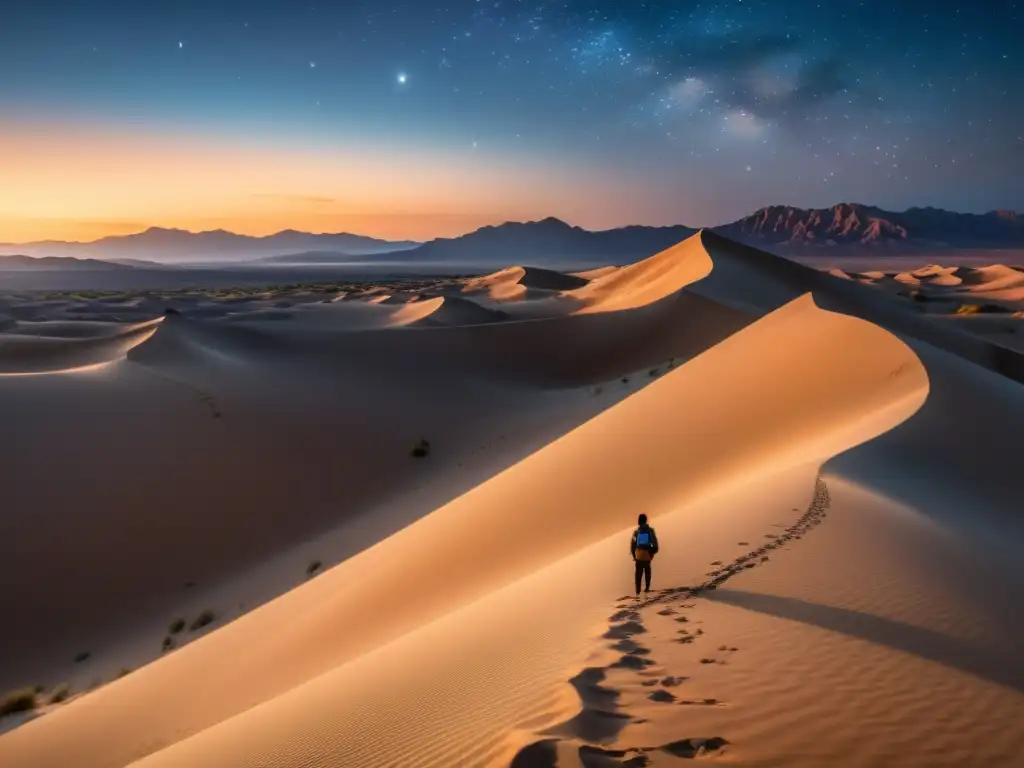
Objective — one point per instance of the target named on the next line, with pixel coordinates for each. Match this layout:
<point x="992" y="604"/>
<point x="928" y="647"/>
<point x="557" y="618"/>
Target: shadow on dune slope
<point x="751" y="404"/>
<point x="758" y="281"/>
<point x="918" y="641"/>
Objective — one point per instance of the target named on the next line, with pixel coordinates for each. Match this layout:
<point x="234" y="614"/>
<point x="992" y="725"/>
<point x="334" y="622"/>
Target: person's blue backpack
<point x="643" y="539"/>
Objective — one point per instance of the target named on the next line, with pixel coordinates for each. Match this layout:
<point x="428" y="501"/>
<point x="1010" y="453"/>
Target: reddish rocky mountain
<point x="855" y="225"/>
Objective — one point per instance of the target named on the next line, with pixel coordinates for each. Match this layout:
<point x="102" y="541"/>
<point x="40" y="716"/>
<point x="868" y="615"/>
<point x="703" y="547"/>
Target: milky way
<point x="707" y="109"/>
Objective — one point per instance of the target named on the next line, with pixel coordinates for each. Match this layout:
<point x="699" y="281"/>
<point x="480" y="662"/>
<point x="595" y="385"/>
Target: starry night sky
<point x="426" y="118"/>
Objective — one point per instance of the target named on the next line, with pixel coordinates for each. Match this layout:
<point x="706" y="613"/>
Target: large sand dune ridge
<point x="705" y="386"/>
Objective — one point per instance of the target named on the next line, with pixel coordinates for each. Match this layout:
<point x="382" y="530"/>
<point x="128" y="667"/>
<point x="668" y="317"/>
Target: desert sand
<point x="406" y="509"/>
<point x="987" y="301"/>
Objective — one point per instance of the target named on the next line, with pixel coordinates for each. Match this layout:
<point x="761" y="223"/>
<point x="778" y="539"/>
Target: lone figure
<point x="643" y="547"/>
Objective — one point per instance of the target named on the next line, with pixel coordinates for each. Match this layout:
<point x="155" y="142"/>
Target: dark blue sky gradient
<point x="709" y="109"/>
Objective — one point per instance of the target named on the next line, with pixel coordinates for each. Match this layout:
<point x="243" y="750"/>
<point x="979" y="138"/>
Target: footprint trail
<point x="594" y="731"/>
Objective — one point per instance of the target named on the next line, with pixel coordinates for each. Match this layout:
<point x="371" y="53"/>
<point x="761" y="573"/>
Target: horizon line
<point x="156" y="227"/>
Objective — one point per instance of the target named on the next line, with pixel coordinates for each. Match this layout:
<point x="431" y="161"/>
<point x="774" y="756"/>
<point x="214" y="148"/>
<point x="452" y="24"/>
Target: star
<point x="402" y="77"/>
<point x="180" y="45"/>
<point x="312" y="65"/>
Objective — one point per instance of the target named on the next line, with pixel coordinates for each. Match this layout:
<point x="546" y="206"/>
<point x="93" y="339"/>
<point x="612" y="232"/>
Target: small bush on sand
<point x="167" y="644"/>
<point x="21" y="700"/>
<point x="421" y="449"/>
<point x="125" y="671"/>
<point x="176" y="626"/>
<point x="81" y="656"/>
<point x="60" y="693"/>
<point x="204" y="618"/>
<point x="313" y="567"/>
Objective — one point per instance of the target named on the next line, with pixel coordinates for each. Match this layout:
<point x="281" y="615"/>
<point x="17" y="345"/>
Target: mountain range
<point x="854" y="225"/>
<point x="179" y="245"/>
<point x="549" y="241"/>
<point x="847" y="228"/>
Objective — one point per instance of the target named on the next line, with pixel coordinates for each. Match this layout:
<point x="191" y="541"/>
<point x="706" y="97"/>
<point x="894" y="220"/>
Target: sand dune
<point x="466" y="613"/>
<point x="34" y="352"/>
<point x="71" y="329"/>
<point x="491" y="530"/>
<point x="377" y="313"/>
<point x="751" y="280"/>
<point x="445" y="310"/>
<point x="518" y="283"/>
<point x="995" y="283"/>
<point x="647" y="281"/>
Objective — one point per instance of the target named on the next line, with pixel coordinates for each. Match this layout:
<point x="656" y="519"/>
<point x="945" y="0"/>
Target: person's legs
<point x="647" y="577"/>
<point x="639" y="571"/>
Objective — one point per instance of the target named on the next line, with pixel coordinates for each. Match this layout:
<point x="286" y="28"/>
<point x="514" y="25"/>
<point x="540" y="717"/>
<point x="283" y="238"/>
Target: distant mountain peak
<point x="167" y="244"/>
<point x="552" y="221"/>
<point x="850" y="223"/>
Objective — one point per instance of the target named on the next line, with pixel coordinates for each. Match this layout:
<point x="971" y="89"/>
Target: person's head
<point x="642" y="520"/>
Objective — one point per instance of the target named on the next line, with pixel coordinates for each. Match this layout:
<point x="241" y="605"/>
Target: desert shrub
<point x="176" y="626"/>
<point x="21" y="700"/>
<point x="204" y="618"/>
<point x="125" y="671"/>
<point x="81" y="656"/>
<point x="313" y="567"/>
<point x="421" y="449"/>
<point x="60" y="693"/>
<point x="167" y="644"/>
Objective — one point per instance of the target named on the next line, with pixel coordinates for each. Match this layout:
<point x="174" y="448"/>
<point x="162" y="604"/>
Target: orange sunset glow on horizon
<point x="83" y="183"/>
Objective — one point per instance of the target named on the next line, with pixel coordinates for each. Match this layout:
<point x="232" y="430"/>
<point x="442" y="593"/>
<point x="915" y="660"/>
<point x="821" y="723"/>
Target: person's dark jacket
<point x="652" y="549"/>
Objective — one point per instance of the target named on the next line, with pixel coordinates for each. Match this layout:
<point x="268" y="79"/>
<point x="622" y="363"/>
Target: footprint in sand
<point x="624" y="615"/>
<point x="700" y="703"/>
<point x="629" y="661"/>
<point x="599" y="723"/>
<point x="624" y="630"/>
<point x="662" y="696"/>
<point x="626" y="645"/>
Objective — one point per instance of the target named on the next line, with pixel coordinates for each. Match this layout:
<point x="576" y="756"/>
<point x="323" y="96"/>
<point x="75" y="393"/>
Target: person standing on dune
<point x="643" y="547"/>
